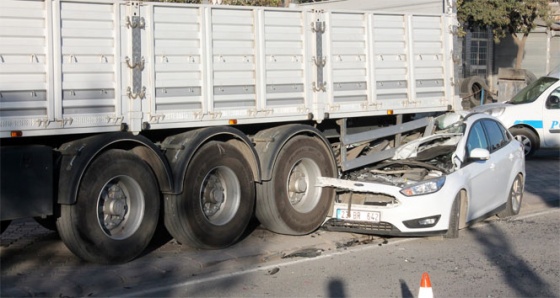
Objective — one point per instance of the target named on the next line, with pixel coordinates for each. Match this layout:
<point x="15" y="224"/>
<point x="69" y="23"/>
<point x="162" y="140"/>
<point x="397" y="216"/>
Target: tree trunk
<point x="520" y="48"/>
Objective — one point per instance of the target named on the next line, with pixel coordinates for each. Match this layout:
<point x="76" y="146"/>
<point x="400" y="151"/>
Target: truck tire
<point x="513" y="204"/>
<point x="218" y="199"/>
<point x="526" y="137"/>
<point x="290" y="203"/>
<point x="454" y="218"/>
<point x="116" y="212"/>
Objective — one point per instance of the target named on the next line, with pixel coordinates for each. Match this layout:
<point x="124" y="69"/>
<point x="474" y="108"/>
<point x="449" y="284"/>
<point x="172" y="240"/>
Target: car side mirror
<point x="479" y="154"/>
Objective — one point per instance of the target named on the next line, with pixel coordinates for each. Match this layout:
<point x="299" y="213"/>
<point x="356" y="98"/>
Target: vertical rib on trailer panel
<point x="56" y="55"/>
<point x="50" y="63"/>
<point x="260" y="61"/>
<point x="370" y="58"/>
<point x="207" y="62"/>
<point x="409" y="36"/>
<point x="449" y="63"/>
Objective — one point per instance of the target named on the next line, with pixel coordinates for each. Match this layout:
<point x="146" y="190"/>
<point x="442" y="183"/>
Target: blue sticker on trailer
<point x="533" y="123"/>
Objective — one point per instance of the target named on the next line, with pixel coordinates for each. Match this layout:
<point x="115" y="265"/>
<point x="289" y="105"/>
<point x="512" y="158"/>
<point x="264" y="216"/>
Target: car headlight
<point x="424" y="187"/>
<point x="497" y="112"/>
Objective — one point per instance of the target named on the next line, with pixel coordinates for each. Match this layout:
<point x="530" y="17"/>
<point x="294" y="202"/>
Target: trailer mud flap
<point x="26" y="182"/>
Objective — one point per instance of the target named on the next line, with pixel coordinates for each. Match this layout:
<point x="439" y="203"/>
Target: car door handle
<point x="511" y="156"/>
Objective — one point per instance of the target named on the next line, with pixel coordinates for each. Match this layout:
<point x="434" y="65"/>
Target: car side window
<point x="507" y="136"/>
<point x="476" y="138"/>
<point x="553" y="101"/>
<point x="496" y="135"/>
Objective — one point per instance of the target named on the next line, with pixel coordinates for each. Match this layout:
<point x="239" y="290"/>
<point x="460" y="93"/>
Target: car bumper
<point x="401" y="217"/>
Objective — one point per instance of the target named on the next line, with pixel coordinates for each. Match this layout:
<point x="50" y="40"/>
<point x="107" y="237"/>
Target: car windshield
<point x="450" y="123"/>
<point x="533" y="91"/>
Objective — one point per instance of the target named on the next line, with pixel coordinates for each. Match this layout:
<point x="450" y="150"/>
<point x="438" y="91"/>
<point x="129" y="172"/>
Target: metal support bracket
<point x="319" y="87"/>
<point x="135" y="95"/>
<point x="135" y="22"/>
<point x="319" y="28"/>
<point x="135" y="65"/>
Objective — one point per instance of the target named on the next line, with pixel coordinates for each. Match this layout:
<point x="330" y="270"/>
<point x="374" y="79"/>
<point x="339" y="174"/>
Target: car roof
<point x="474" y="116"/>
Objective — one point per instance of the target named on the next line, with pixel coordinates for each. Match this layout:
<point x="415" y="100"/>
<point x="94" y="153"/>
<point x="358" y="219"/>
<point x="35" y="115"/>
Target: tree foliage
<point x="504" y="17"/>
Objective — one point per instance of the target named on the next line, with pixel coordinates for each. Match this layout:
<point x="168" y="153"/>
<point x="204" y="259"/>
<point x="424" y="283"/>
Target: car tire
<point x="513" y="204"/>
<point x="527" y="138"/>
<point x="454" y="218"/>
<point x="472" y="88"/>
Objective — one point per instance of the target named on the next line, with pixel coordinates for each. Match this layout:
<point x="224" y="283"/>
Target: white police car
<point x="533" y="115"/>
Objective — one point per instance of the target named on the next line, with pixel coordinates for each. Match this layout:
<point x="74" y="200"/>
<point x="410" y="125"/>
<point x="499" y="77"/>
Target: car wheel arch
<point x="524" y="126"/>
<point x="528" y="127"/>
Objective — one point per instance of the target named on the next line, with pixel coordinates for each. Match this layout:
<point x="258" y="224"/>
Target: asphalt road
<point x="504" y="258"/>
<point x="34" y="262"/>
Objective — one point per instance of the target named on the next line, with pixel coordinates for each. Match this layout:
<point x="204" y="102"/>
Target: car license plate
<point x="358" y="215"/>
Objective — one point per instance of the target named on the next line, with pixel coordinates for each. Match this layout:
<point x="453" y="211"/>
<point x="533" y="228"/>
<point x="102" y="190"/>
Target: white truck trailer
<point x="118" y="115"/>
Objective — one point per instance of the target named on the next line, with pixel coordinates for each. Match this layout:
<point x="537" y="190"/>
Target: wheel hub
<point x="297" y="186"/>
<point x="114" y="207"/>
<point x="213" y="196"/>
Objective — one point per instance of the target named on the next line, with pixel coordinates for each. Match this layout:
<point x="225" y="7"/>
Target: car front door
<point x="551" y="120"/>
<point x="479" y="173"/>
<point x="502" y="154"/>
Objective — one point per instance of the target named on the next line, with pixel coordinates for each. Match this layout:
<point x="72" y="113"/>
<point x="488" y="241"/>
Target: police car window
<point x="553" y="101"/>
<point x="476" y="138"/>
<point x="495" y="135"/>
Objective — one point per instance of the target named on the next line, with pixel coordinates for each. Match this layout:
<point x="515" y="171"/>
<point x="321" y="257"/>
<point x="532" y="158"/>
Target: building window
<point x="478" y="51"/>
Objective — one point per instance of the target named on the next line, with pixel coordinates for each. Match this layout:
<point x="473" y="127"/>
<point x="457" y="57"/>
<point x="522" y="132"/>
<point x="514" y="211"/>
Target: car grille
<point x="334" y="224"/>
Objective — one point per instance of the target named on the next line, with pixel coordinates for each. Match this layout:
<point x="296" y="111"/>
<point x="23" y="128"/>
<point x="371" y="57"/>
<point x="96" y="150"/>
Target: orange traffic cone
<point x="425" y="290"/>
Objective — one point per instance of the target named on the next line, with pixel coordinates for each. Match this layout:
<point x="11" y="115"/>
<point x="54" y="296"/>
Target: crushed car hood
<point x="416" y="148"/>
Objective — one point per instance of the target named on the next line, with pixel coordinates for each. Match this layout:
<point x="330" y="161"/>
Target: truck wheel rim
<point x="302" y="193"/>
<point x="120" y="207"/>
<point x="220" y="195"/>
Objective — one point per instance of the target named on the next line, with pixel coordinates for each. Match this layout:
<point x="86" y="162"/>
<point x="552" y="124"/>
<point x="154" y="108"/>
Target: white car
<point x="533" y="115"/>
<point x="469" y="169"/>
